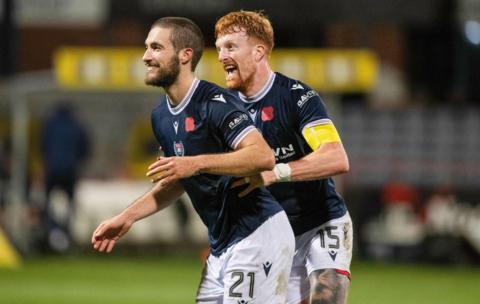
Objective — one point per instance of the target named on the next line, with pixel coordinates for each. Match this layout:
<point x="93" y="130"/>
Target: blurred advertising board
<point x="327" y="70"/>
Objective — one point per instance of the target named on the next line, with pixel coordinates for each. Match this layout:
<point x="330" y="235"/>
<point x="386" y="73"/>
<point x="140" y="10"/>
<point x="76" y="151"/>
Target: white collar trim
<point x="262" y="92"/>
<point x="185" y="101"/>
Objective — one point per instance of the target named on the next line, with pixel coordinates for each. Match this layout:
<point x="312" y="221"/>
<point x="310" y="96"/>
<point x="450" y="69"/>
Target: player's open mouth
<point x="230" y="69"/>
<point x="151" y="67"/>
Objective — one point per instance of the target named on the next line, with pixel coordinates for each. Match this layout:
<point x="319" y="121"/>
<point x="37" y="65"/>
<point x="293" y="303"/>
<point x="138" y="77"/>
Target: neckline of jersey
<point x="185" y="101"/>
<point x="261" y="93"/>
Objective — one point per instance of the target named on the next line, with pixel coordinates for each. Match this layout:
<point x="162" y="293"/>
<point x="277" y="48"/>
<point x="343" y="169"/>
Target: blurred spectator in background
<point x="65" y="146"/>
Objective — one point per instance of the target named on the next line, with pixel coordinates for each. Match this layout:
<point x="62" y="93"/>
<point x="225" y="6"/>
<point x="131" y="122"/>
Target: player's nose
<point x="222" y="54"/>
<point x="147" y="56"/>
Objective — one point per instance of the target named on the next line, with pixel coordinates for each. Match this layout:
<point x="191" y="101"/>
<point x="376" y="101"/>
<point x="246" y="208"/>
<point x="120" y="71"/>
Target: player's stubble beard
<point x="240" y="80"/>
<point x="243" y="75"/>
<point x="165" y="77"/>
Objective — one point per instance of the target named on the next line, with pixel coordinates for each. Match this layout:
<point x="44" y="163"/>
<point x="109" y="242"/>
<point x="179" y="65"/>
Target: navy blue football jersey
<point x="211" y="120"/>
<point x="282" y="110"/>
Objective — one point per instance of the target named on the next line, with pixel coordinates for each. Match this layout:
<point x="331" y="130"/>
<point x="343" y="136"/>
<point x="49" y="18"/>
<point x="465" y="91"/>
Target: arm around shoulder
<point x="252" y="155"/>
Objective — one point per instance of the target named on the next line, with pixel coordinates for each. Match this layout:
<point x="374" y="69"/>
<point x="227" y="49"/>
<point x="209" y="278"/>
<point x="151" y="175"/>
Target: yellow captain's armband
<point x="320" y="134"/>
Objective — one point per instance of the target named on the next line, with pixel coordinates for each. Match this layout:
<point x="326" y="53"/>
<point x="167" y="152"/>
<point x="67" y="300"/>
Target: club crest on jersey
<point x="189" y="124"/>
<point x="267" y="113"/>
<point x="178" y="148"/>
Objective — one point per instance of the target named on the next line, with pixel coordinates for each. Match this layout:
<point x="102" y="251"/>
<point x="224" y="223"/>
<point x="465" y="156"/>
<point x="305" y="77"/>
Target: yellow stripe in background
<point x="327" y="70"/>
<point x="8" y="255"/>
<point x="320" y="134"/>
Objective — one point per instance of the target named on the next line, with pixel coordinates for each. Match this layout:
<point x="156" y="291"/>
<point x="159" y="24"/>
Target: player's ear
<point x="260" y="52"/>
<point x="185" y="55"/>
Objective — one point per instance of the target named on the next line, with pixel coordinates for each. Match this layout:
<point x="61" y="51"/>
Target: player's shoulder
<point x="213" y="93"/>
<point x="160" y="104"/>
<point x="294" y="86"/>
<point x="297" y="90"/>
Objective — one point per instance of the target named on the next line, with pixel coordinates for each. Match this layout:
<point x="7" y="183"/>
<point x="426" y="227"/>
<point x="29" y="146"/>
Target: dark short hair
<point x="185" y="34"/>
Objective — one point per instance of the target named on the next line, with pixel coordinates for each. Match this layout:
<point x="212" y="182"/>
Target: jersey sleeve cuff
<point x="241" y="136"/>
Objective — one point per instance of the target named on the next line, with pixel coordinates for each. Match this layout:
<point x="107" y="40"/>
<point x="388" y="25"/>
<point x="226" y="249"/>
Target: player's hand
<point x="263" y="179"/>
<point x="108" y="233"/>
<point x="168" y="170"/>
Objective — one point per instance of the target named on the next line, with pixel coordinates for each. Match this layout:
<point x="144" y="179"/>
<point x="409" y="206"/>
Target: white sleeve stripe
<point x="241" y="136"/>
<point x="324" y="121"/>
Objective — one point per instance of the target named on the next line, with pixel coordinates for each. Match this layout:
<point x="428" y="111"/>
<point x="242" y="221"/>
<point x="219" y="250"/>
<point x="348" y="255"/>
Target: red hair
<point x="255" y="24"/>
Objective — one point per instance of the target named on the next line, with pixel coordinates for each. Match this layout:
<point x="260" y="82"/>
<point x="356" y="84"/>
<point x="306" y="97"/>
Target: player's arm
<point x="110" y="231"/>
<point x="327" y="159"/>
<point x="251" y="156"/>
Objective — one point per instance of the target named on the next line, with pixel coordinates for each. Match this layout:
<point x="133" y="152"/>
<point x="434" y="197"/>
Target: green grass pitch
<point x="174" y="280"/>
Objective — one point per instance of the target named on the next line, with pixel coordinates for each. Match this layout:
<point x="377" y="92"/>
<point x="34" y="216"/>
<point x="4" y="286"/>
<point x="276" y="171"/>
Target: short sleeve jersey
<point x="282" y="110"/>
<point x="211" y="120"/>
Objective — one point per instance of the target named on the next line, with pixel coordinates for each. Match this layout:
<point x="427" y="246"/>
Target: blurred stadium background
<point x="401" y="80"/>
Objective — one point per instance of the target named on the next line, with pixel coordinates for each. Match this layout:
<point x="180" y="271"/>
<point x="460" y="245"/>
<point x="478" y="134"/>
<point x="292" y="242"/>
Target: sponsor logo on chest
<point x="282" y="153"/>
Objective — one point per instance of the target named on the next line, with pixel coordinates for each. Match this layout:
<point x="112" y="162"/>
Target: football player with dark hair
<point x="208" y="139"/>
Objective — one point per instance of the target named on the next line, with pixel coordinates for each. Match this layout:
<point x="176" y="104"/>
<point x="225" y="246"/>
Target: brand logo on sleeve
<point x="296" y="86"/>
<point x="219" y="97"/>
<point x="306" y="97"/>
<point x="237" y="120"/>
